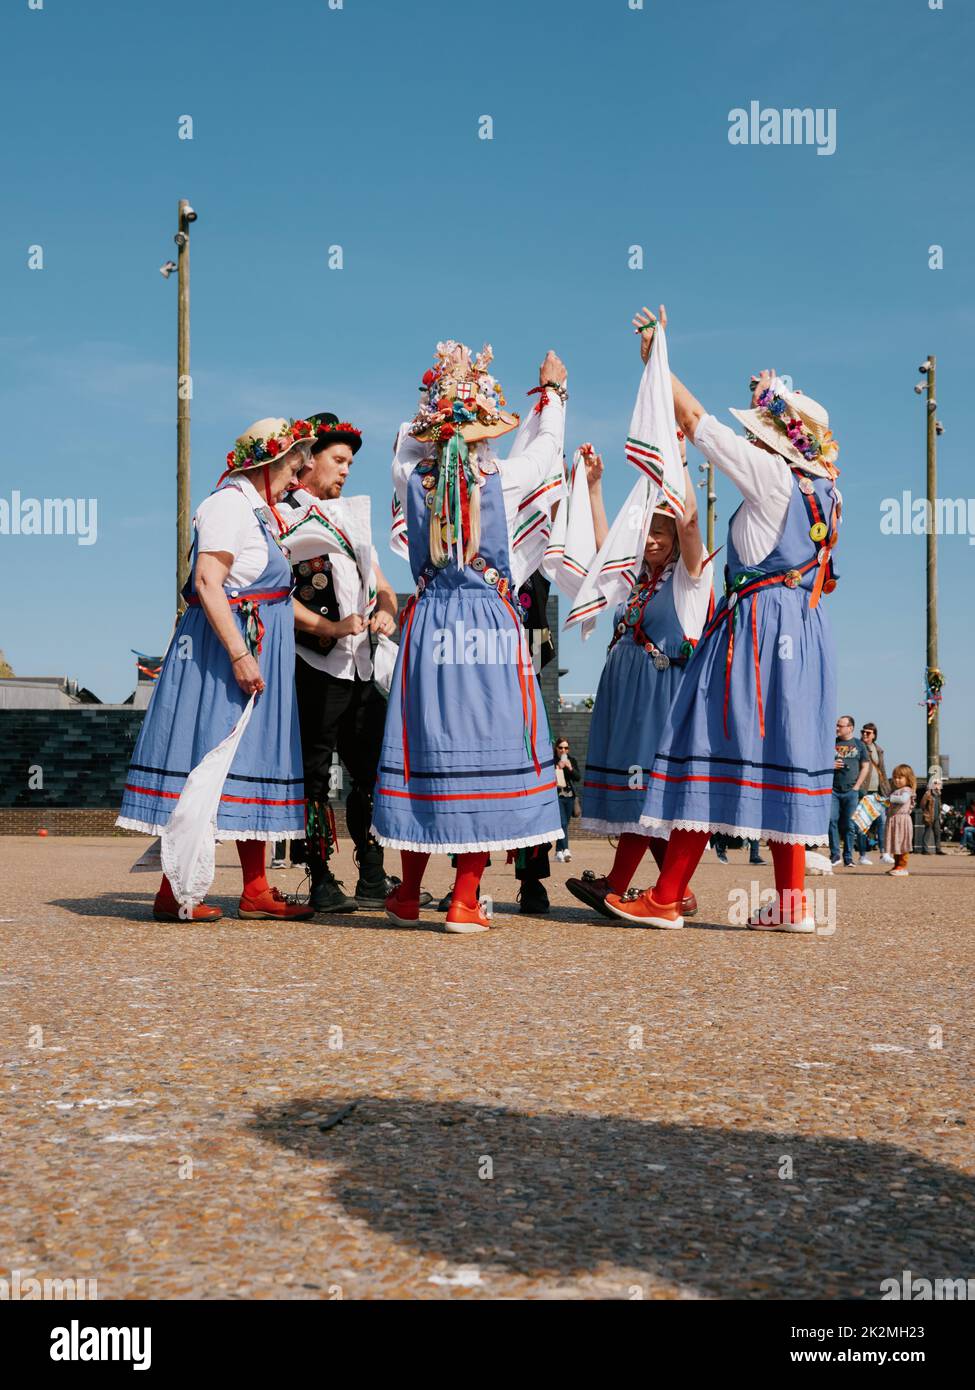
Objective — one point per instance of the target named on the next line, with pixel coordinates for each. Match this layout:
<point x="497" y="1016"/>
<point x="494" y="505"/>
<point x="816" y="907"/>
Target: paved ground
<point x="560" y="1109"/>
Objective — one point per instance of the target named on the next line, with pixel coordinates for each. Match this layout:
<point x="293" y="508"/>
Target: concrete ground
<point x="559" y="1109"/>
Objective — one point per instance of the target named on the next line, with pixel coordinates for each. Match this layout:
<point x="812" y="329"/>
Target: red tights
<point x="629" y="856"/>
<point x="251" y="854"/>
<point x="684" y="850"/>
<point x="470" y="867"/>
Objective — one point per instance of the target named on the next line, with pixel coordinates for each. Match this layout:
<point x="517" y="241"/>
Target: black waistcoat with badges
<point x="315" y="588"/>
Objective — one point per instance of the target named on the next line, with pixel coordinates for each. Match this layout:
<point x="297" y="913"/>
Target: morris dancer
<point x="235" y="640"/>
<point x="343" y="601"/>
<point x="657" y="628"/>
<point x="466" y="763"/>
<point x="747" y="748"/>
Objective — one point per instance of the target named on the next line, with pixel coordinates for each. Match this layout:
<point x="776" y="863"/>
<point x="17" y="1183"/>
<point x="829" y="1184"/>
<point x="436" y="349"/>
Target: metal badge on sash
<point x="806" y="485"/>
<point x="818" y="531"/>
<point x="319" y="581"/>
<point x="661" y="661"/>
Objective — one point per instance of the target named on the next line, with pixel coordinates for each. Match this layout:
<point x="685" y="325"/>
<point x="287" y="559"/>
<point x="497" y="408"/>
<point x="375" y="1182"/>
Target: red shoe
<point x="688" y="906"/>
<point x="643" y="910"/>
<point x="464" y="920"/>
<point x="771" y="917"/>
<point x="166" y="909"/>
<point x="272" y="905"/>
<point x="402" y="912"/>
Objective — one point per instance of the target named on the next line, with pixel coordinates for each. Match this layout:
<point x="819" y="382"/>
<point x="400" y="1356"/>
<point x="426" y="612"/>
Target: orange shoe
<point x="272" y="905"/>
<point x="643" y="910"/>
<point x="772" y="917"/>
<point x="402" y="912"/>
<point x="465" y="920"/>
<point x="166" y="909"/>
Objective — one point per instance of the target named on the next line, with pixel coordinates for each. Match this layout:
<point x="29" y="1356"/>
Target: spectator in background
<point x="900" y="822"/>
<point x="878" y="782"/>
<point x="566" y="775"/>
<point x="849" y="774"/>
<point x="931" y="815"/>
<point x="968" y="832"/>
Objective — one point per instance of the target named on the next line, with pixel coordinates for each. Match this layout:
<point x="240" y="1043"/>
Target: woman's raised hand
<point x="593" y="463"/>
<point x="552" y="369"/>
<point x="644" y="323"/>
<point x="764" y="378"/>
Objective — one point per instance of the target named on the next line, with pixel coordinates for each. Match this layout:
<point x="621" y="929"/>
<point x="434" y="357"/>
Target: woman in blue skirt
<point x="748" y="746"/>
<point x="467" y="762"/>
<point x="234" y="640"/>
<point x="655" y="633"/>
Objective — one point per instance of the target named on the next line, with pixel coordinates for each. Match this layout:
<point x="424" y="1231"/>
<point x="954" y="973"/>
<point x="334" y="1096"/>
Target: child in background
<point x="900" y="819"/>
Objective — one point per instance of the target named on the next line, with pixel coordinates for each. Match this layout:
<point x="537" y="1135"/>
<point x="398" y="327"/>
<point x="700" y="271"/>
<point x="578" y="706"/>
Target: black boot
<point x="327" y="894"/>
<point x="533" y="899"/>
<point x="373" y="885"/>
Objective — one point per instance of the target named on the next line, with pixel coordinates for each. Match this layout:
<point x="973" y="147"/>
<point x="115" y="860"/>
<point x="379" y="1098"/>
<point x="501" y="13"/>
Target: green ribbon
<point x="447" y="499"/>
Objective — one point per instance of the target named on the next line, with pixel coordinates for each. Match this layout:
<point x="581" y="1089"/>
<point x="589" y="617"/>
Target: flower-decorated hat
<point x="795" y="426"/>
<point x="267" y="441"/>
<point x="458" y="395"/>
<point x="329" y="429"/>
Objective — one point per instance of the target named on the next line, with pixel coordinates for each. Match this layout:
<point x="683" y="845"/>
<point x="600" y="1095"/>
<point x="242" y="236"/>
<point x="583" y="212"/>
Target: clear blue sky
<point x="359" y="127"/>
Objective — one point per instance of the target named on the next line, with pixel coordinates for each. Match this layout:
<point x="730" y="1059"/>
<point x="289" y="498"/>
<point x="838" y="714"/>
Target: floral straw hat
<point x="458" y="395"/>
<point x="267" y="441"/>
<point x="795" y="426"/>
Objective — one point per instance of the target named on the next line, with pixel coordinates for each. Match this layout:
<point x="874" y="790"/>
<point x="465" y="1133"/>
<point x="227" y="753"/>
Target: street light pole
<point x="933" y="728"/>
<point x="183" y="396"/>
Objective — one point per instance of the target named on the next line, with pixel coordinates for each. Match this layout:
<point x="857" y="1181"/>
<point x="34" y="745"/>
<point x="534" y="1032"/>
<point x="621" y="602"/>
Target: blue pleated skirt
<point x="775" y="785"/>
<point x="195" y="705"/>
<point x="633" y="700"/>
<point x="472" y="783"/>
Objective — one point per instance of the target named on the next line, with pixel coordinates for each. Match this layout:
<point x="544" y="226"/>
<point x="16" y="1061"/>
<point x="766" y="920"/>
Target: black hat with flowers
<point x="329" y="429"/>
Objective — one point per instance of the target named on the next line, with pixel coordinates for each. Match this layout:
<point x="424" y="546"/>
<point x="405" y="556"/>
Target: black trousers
<point x="344" y="716"/>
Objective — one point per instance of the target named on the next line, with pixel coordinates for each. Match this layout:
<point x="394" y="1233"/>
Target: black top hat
<point x="330" y="430"/>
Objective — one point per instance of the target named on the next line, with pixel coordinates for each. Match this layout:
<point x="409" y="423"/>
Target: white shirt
<point x="350" y="655"/>
<point x="225" y="521"/>
<point x="764" y="481"/>
<point x="691" y="598"/>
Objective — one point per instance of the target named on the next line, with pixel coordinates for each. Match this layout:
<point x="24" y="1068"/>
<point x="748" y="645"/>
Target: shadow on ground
<point x="703" y="1209"/>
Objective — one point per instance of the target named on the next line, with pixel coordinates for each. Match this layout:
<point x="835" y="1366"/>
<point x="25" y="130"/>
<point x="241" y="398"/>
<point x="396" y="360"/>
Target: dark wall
<point x="83" y="754"/>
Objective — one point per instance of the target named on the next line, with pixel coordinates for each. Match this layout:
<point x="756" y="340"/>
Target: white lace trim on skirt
<point x="653" y="825"/>
<point x="472" y="847"/>
<point x="613" y="827"/>
<point x="144" y="827"/>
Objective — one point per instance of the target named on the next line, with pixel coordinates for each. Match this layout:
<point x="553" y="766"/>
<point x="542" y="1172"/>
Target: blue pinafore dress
<point x="646" y="663"/>
<point x="467" y="758"/>
<point x="747" y="748"/>
<point x="197" y="702"/>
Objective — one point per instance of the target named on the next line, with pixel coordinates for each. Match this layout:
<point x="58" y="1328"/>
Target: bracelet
<point x="558" y="388"/>
<point x="235" y="659"/>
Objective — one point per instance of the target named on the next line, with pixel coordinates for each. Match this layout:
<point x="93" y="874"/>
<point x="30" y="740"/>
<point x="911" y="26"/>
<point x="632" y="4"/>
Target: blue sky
<point x="358" y="127"/>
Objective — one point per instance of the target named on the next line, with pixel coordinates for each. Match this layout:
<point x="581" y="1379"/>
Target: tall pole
<point x="183" y="394"/>
<point x="933" y="728"/>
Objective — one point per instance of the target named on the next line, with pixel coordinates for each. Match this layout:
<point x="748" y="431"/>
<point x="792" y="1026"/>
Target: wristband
<point x="235" y="659"/>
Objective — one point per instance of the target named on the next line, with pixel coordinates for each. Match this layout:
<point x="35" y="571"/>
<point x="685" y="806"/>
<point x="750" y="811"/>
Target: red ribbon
<point x="407" y="620"/>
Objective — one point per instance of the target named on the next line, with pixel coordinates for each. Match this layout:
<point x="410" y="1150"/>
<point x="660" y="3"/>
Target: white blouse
<point x="225" y="521"/>
<point x="764" y="481"/>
